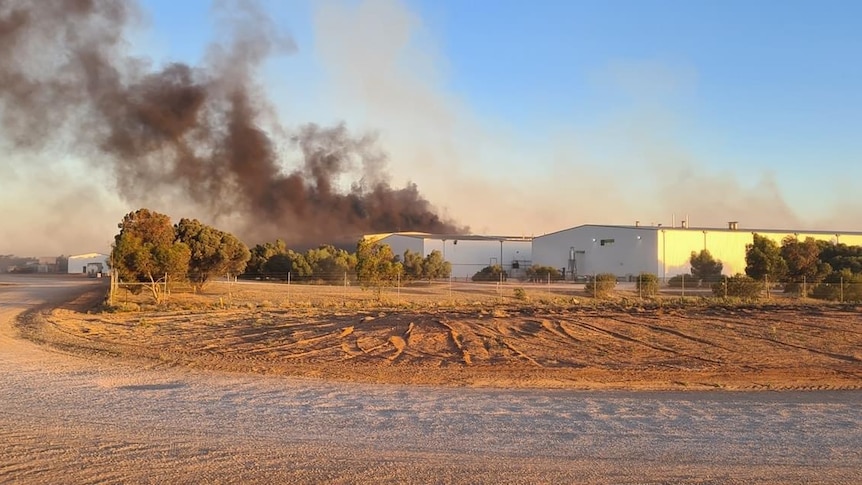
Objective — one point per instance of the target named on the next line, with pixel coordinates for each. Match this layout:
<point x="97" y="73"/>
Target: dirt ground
<point x="149" y="395"/>
<point x="484" y="343"/>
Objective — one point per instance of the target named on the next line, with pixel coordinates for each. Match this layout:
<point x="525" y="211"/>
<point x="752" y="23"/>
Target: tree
<point x="288" y="261"/>
<point x="376" y="266"/>
<point x="63" y="264"/>
<point x="704" y="267"/>
<point x="803" y="262"/>
<point x="763" y="259"/>
<point x="213" y="252"/>
<point x="328" y="263"/>
<point x="145" y="251"/>
<point x="413" y="265"/>
<point x="262" y="253"/>
<point x="434" y="266"/>
<point x="840" y="256"/>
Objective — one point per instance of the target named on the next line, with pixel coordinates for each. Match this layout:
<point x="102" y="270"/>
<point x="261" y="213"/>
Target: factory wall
<point x="665" y="252"/>
<point x="467" y="254"/>
<point x="78" y="263"/>
<point x="588" y="250"/>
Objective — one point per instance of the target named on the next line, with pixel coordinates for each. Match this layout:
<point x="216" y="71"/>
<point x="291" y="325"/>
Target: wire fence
<point x="345" y="289"/>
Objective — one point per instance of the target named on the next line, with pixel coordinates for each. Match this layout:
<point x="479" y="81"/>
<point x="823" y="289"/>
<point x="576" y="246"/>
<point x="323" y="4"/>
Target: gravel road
<point x="69" y="419"/>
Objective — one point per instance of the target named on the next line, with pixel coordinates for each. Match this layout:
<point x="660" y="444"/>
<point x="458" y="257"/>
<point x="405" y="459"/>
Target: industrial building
<point x="627" y="251"/>
<point x="91" y="264"/>
<point x="467" y="254"/>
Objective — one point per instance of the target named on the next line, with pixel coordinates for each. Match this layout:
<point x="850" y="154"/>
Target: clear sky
<point x="525" y="117"/>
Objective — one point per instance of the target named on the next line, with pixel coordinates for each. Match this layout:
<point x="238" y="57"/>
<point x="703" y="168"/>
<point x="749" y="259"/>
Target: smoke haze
<point x="628" y="165"/>
<point x="206" y="141"/>
<point x="203" y="137"/>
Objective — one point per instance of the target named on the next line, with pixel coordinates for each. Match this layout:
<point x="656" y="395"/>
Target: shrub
<point x="490" y="273"/>
<point x="740" y="286"/>
<point x="543" y="273"/>
<point x="682" y="281"/>
<point x="520" y="294"/>
<point x="647" y="284"/>
<point x="840" y="285"/>
<point x="602" y="285"/>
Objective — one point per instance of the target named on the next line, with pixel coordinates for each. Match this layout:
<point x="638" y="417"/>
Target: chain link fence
<point x="344" y="289"/>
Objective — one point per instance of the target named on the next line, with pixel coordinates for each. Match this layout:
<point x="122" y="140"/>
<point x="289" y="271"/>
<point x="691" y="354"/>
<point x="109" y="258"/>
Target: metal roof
<point x="454" y="237"/>
<point x="712" y="229"/>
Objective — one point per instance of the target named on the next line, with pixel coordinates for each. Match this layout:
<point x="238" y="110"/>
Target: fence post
<point x="549" y="286"/>
<point x="841" y="290"/>
<point x="111" y="289"/>
<point x="288" y="285"/>
<point x="804" y="292"/>
<point x="229" y="287"/>
<point x="725" y="287"/>
<point x="640" y="292"/>
<point x="766" y="284"/>
<point x="683" y="285"/>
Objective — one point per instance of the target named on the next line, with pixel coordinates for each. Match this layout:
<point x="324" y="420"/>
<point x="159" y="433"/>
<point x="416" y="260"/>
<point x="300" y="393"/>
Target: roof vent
<point x="733" y="225"/>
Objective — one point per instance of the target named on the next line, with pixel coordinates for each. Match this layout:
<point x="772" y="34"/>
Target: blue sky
<point x="743" y="91"/>
<point x="528" y="117"/>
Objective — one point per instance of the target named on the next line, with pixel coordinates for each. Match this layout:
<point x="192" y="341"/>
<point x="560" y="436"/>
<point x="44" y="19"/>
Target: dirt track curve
<point x="73" y="413"/>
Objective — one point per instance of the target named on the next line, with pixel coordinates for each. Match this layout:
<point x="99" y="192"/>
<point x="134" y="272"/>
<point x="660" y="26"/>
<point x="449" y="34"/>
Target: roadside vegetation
<point x="150" y="252"/>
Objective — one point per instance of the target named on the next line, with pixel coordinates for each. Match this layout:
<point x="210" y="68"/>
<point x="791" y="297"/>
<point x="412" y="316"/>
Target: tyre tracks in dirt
<point x="570" y="347"/>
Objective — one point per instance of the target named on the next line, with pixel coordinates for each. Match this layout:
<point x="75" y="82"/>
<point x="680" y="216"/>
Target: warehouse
<point x="627" y="251"/>
<point x="467" y="254"/>
<point x="92" y="264"/>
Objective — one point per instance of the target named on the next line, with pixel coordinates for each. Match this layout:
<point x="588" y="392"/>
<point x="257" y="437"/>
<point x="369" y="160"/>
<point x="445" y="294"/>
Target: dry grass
<point x="478" y="335"/>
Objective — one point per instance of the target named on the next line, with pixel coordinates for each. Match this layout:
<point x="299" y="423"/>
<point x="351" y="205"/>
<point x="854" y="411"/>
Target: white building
<point x="467" y="254"/>
<point x="90" y="263"/>
<point x="627" y="251"/>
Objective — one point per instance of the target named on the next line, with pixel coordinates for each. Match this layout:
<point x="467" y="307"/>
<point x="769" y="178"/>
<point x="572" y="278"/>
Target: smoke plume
<point x="205" y="132"/>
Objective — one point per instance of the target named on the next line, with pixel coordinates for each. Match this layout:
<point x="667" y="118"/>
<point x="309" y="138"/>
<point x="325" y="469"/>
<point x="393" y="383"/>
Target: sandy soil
<point x="85" y="406"/>
<point x="784" y="346"/>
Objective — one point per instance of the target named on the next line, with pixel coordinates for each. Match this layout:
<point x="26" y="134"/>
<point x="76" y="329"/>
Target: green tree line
<point x="809" y="267"/>
<point x="372" y="263"/>
<point x="149" y="250"/>
<point x="823" y="269"/>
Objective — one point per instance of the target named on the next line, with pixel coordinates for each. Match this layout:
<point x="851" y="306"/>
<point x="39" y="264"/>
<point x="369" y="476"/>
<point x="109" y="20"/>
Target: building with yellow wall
<point x="627" y="251"/>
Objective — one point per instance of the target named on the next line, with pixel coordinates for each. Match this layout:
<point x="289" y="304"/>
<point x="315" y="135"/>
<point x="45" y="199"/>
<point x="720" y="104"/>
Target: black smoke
<point x="207" y="132"/>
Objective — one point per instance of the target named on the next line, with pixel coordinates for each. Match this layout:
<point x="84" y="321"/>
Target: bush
<point x="520" y="294"/>
<point x="602" y="285"/>
<point x="682" y="281"/>
<point x="490" y="273"/>
<point x="740" y="286"/>
<point x="541" y="274"/>
<point x="840" y="286"/>
<point x="647" y="284"/>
